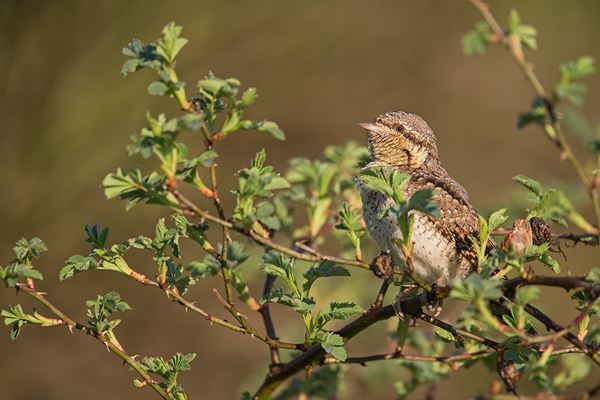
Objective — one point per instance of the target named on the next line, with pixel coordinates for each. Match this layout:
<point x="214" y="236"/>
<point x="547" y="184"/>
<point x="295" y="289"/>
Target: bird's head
<point x="399" y="138"/>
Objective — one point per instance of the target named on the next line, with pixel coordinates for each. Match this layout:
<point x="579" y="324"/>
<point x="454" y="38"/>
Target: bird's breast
<point x="435" y="257"/>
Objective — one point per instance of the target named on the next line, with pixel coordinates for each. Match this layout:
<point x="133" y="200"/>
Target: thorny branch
<point x="552" y="119"/>
<point x="111" y="345"/>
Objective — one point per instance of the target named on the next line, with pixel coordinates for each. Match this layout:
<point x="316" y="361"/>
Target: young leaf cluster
<point x="17" y="318"/>
<point x="22" y="266"/>
<point x="255" y="183"/>
<point x="321" y="187"/>
<point x="168" y="370"/>
<point x="485" y="228"/>
<point x="299" y="300"/>
<point x="557" y="211"/>
<point x="102" y="308"/>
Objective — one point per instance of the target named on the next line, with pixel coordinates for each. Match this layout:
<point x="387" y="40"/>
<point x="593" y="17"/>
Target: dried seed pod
<point x="519" y="236"/>
<point x="508" y="372"/>
<point x="383" y="265"/>
<point x="540" y="231"/>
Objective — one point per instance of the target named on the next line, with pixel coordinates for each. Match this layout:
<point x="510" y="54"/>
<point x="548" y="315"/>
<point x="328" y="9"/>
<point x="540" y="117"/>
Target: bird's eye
<point x="400" y="128"/>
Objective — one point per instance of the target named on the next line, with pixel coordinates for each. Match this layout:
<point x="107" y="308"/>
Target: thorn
<point x="107" y="347"/>
<point x="135" y="356"/>
<point x="70" y="328"/>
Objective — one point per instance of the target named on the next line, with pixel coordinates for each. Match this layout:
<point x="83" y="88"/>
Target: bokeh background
<point x="320" y="67"/>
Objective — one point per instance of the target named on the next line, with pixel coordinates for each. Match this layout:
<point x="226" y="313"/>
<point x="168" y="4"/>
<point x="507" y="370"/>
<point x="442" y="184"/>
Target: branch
<point x="266" y="314"/>
<point x="585" y="238"/>
<point x="552" y="325"/>
<point x="584" y="395"/>
<point x="399" y="356"/>
<point x="315" y="354"/>
<point x="448" y="359"/>
<point x="527" y="68"/>
<point x="116" y="349"/>
<point x="245" y="328"/>
<point x="316" y="257"/>
<point x="566" y="282"/>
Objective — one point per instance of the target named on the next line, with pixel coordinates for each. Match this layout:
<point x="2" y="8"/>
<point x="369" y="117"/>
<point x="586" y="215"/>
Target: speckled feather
<point x="443" y="251"/>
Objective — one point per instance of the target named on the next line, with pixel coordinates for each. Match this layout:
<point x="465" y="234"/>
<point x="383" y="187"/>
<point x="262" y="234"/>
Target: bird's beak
<point x="372" y="127"/>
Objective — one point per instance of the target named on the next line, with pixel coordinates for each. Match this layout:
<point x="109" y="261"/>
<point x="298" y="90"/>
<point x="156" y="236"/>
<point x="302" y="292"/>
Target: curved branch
<point x="552" y="118"/>
<point x="205" y="215"/>
<point x="118" y="350"/>
<point x="246" y="328"/>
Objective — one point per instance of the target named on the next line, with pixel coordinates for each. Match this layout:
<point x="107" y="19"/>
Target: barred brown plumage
<point x="443" y="251"/>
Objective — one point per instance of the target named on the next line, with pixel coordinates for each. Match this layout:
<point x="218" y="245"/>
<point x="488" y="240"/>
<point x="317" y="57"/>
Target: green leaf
<point x="102" y="308"/>
<point x="339" y="353"/>
<point x="77" y="264"/>
<point x="528" y="34"/>
<point x="168" y="371"/>
<point x="275" y="264"/>
<point x="575" y="368"/>
<point x="446" y="336"/>
<point x="537" y="114"/>
<point x="514" y="21"/>
<point x="300" y="305"/>
<point x="496" y="219"/>
<point x="529" y="183"/>
<point x="322" y="269"/>
<point x="157" y="88"/>
<point x="214" y="88"/>
<point x="142" y="57"/>
<point x="204" y="268"/>
<point x="248" y="97"/>
<point x="190" y="122"/>
<point x="476" y="287"/>
<point x="342" y="311"/>
<point x="385" y="181"/>
<point x="170" y="43"/>
<point x="476" y="41"/>
<point x="206" y="158"/>
<point x="29" y="250"/>
<point x="11" y="274"/>
<point x="527" y="295"/>
<point x="268" y="127"/>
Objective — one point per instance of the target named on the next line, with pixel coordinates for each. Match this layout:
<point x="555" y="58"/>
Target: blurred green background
<point x="319" y="67"/>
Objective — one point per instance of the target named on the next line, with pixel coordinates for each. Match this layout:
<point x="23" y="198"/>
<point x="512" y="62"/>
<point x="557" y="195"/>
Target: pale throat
<point x="393" y="154"/>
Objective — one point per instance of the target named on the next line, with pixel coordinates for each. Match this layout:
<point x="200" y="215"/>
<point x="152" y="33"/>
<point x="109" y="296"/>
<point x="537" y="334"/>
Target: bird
<point x="443" y="251"/>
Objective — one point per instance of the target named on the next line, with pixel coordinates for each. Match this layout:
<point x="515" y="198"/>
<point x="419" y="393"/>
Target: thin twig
<point x="553" y="325"/>
<point x="266" y="314"/>
<point x="585" y="239"/>
<point x="584" y="395"/>
<point x="381" y="295"/>
<point x="195" y="210"/>
<point x="116" y="349"/>
<point x="245" y="328"/>
<point x="552" y="118"/>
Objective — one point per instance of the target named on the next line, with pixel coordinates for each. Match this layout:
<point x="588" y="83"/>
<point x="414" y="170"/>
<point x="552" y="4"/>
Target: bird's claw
<point x="437" y="309"/>
<point x="397" y="306"/>
<point x="424" y="300"/>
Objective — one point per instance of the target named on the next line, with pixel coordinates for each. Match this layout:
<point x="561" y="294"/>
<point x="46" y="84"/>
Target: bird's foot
<point x="436" y="307"/>
<point x="423" y="298"/>
<point x="397" y="306"/>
